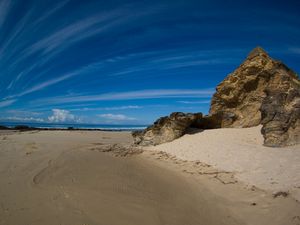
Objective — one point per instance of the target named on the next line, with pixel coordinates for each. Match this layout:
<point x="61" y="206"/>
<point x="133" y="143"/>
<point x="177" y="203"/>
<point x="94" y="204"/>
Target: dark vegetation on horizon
<point x="29" y="128"/>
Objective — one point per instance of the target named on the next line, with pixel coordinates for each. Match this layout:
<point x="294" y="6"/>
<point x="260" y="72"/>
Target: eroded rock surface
<point x="260" y="91"/>
<point x="166" y="129"/>
<point x="280" y="111"/>
<point x="239" y="96"/>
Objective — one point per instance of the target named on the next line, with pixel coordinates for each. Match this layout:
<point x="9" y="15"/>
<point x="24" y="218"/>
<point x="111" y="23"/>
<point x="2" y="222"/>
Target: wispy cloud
<point x="4" y="10"/>
<point x="23" y="113"/>
<point x="108" y="108"/>
<point x="295" y="50"/>
<point x="22" y="119"/>
<point x="60" y="39"/>
<point x="64" y="37"/>
<point x="118" y="117"/>
<point x="69" y="34"/>
<point x="50" y="12"/>
<point x="194" y="102"/>
<point x="7" y="102"/>
<point x="159" y="60"/>
<point x="43" y="85"/>
<point x="20" y="31"/>
<point x="130" y="95"/>
<point x="5" y="49"/>
<point x="81" y="71"/>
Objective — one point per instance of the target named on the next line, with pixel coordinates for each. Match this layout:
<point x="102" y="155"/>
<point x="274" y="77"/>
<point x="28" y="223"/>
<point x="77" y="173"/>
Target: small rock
<point x="280" y="193"/>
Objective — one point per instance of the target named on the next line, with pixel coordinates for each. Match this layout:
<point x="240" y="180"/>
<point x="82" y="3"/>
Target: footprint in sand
<point x="99" y="143"/>
<point x="4" y="138"/>
<point x="106" y="138"/>
<point x="30" y="148"/>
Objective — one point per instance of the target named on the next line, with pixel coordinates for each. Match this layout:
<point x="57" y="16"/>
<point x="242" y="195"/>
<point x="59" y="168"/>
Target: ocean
<point x="76" y="126"/>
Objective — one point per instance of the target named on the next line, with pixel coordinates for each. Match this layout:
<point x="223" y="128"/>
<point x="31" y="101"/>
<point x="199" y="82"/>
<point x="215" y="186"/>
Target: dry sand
<point x="64" y="178"/>
<point x="241" y="151"/>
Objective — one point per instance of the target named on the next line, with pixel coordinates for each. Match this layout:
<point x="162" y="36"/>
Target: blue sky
<point x="130" y="62"/>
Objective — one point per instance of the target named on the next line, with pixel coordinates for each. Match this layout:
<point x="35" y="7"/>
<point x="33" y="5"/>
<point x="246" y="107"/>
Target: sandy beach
<point x="241" y="152"/>
<point x="64" y="177"/>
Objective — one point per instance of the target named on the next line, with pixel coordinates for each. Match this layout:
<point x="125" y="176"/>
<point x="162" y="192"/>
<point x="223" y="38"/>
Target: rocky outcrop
<point x="239" y="97"/>
<point x="280" y="110"/>
<point x="166" y="129"/>
<point x="260" y="91"/>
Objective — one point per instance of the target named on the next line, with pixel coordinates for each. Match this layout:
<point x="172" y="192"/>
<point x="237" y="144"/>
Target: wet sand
<point x="63" y="177"/>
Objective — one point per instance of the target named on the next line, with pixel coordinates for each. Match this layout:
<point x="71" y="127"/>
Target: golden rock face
<point x="261" y="91"/>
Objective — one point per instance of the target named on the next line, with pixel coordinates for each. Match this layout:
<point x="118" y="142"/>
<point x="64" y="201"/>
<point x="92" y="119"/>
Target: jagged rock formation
<point x="166" y="129"/>
<point x="280" y="109"/>
<point x="239" y="97"/>
<point x="260" y="91"/>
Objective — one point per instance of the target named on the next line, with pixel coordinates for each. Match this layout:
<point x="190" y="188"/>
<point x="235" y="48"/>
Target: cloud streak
<point x="50" y="46"/>
<point x="118" y="117"/>
<point x="194" y="102"/>
<point x="130" y="95"/>
<point x="7" y="102"/>
<point x="109" y="108"/>
<point x="23" y="119"/>
<point x="295" y="50"/>
<point x="4" y="10"/>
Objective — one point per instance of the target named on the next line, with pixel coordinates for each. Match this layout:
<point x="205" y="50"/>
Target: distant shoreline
<point x="30" y="128"/>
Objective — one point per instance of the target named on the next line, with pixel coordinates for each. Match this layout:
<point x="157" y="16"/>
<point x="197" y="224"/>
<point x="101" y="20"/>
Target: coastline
<point x="76" y="127"/>
<point x="67" y="175"/>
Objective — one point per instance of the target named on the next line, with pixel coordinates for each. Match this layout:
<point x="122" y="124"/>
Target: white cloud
<point x="60" y="115"/>
<point x="7" y="102"/>
<point x="118" y="117"/>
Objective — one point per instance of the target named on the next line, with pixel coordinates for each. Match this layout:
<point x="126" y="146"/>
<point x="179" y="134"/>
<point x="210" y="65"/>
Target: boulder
<point x="166" y="129"/>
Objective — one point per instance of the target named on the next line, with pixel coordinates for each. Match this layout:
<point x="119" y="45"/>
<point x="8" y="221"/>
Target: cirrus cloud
<point x="118" y="117"/>
<point x="7" y="102"/>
